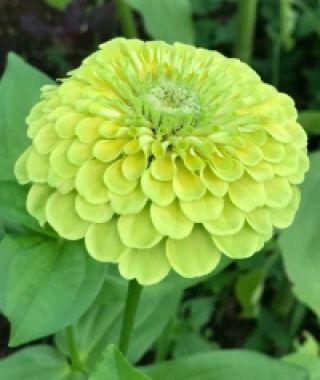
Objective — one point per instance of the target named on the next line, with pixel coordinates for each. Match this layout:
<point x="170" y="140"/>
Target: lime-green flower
<point x="163" y="156"/>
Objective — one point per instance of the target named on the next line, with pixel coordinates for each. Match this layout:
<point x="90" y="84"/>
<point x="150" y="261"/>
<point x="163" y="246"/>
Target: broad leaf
<point x="226" y="365"/>
<point x="114" y="366"/>
<point x="167" y="20"/>
<point x="45" y="284"/>
<point x="19" y="91"/>
<point x="310" y="120"/>
<point x="36" y="363"/>
<point x="300" y="244"/>
<point x="60" y="5"/>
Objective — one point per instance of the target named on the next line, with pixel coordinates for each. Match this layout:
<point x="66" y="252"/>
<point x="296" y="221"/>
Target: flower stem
<point x="127" y="22"/>
<point x="130" y="310"/>
<point x="247" y="14"/>
<point x="74" y="354"/>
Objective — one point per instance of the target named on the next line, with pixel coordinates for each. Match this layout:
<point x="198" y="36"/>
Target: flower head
<point x="163" y="156"/>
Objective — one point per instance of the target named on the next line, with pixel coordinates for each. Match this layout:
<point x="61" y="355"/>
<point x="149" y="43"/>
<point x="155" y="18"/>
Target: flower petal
<point x="163" y="169"/>
<point x="260" y="220"/>
<point x="61" y="215"/>
<point x="214" y="184"/>
<point x="283" y="217"/>
<point x="37" y="166"/>
<point x="186" y="184"/>
<point x="229" y="222"/>
<point x="134" y="165"/>
<point x="239" y="245"/>
<point x="20" y="168"/>
<point x="193" y="256"/>
<point x="247" y="194"/>
<point x="108" y="150"/>
<point x="137" y="230"/>
<point x="79" y="152"/>
<point x="116" y="181"/>
<point x="46" y="139"/>
<point x="65" y="125"/>
<point x="131" y="203"/>
<point x="59" y="160"/>
<point x="89" y="182"/>
<point x="147" y="266"/>
<point x="160" y="192"/>
<point x="103" y="242"/>
<point x="278" y="192"/>
<point x="88" y="129"/>
<point x="100" y="213"/>
<point x="170" y="220"/>
<point x="37" y="198"/>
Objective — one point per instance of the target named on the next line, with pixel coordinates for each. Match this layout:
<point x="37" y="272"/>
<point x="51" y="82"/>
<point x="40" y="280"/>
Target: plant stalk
<point x="246" y="23"/>
<point x="74" y="354"/>
<point x="128" y="26"/>
<point x="130" y="311"/>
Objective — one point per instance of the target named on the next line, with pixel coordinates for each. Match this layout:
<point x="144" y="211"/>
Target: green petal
<point x="260" y="220"/>
<point x="137" y="230"/>
<point x="160" y="192"/>
<point x="108" y="150"/>
<point x="227" y="169"/>
<point x="131" y="203"/>
<point x="115" y="180"/>
<point x="89" y="182"/>
<point x="273" y="151"/>
<point x="298" y="134"/>
<point x="247" y="194"/>
<point x="20" y="168"/>
<point x="261" y="172"/>
<point x="229" y="222"/>
<point x="239" y="245"/>
<point x="290" y="161"/>
<point x="63" y="185"/>
<point x="61" y="215"/>
<point x="204" y="209"/>
<point x="278" y="192"/>
<point x="46" y="139"/>
<point x="103" y="242"/>
<point x="147" y="266"/>
<point x="194" y="256"/>
<point x="65" y="125"/>
<point x="278" y="132"/>
<point x="88" y="129"/>
<point x="37" y="166"/>
<point x="250" y="155"/>
<point x="170" y="220"/>
<point x="100" y="213"/>
<point x="36" y="201"/>
<point x="163" y="169"/>
<point x="186" y="184"/>
<point x="79" y="152"/>
<point x="303" y="167"/>
<point x="283" y="217"/>
<point x="59" y="161"/>
<point x="134" y="165"/>
<point x="214" y="184"/>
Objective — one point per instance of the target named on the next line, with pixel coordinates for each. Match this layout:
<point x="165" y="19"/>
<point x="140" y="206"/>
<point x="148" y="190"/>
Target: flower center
<point x="170" y="107"/>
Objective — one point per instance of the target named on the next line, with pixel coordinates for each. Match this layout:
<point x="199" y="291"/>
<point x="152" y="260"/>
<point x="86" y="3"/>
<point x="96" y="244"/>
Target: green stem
<point x="127" y="22"/>
<point x="74" y="354"/>
<point x="130" y="310"/>
<point x="247" y="14"/>
<point x="164" y="343"/>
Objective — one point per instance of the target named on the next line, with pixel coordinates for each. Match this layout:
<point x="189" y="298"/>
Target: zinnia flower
<point x="163" y="156"/>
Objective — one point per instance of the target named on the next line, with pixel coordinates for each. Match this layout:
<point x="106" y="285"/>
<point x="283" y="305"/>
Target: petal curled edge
<point x="147" y="266"/>
<point x="36" y="201"/>
<point x="103" y="242"/>
<point x="194" y="256"/>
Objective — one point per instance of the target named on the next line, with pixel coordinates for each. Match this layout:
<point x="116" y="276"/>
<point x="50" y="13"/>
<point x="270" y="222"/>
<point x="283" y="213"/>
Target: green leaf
<point x="60" y="5"/>
<point x="190" y="343"/>
<point x="114" y="366"/>
<point x="19" y="91"/>
<point x="310" y="120"/>
<point x="167" y="20"/>
<point x="36" y="363"/>
<point x="202" y="7"/>
<point x="45" y="284"/>
<point x="249" y="287"/>
<point x="226" y="365"/>
<point x="300" y="244"/>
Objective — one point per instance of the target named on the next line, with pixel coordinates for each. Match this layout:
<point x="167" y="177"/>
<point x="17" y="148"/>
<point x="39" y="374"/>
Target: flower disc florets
<point x="163" y="156"/>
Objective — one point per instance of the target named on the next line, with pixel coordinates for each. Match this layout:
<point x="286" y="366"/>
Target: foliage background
<point x="269" y="303"/>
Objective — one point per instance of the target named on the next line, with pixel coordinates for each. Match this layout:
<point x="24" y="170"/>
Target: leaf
<point x="226" y="365"/>
<point x="190" y="343"/>
<point x="45" y="284"/>
<point x="288" y="18"/>
<point x="202" y="7"/>
<point x="167" y="20"/>
<point x="19" y="91"/>
<point x="36" y="363"/>
<point x="300" y="244"/>
<point x="114" y="366"/>
<point x="249" y="287"/>
<point x="60" y="5"/>
<point x="101" y="324"/>
<point x="310" y="120"/>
